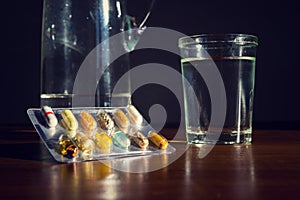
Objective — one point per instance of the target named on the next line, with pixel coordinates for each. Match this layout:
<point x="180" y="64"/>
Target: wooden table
<point x="269" y="168"/>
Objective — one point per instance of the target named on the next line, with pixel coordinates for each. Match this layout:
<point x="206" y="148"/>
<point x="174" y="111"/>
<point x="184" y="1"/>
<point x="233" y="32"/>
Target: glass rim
<point x="237" y="38"/>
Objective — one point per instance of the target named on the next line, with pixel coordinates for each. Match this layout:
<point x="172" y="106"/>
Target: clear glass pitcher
<point x="71" y="30"/>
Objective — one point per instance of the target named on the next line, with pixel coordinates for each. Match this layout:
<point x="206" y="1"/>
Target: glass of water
<point x="233" y="57"/>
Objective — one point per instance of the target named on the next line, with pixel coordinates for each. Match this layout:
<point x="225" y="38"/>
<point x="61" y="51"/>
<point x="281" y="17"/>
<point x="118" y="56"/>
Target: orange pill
<point x="158" y="140"/>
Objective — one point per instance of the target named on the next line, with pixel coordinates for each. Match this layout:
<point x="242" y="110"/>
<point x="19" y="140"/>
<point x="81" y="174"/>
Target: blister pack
<point x="96" y="133"/>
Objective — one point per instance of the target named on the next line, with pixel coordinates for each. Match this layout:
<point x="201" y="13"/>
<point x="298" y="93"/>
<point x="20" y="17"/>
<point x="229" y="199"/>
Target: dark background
<point x="277" y="74"/>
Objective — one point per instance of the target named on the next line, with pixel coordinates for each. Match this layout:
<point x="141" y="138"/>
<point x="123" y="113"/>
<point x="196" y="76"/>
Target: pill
<point x="67" y="148"/>
<point x="84" y="144"/>
<point x="121" y="120"/>
<point x="139" y="139"/>
<point x="50" y="116"/>
<point x="121" y="140"/>
<point x="71" y="151"/>
<point x="134" y="116"/>
<point x="103" y="141"/>
<point x="158" y="140"/>
<point x="69" y="121"/>
<point x="87" y="122"/>
<point x="105" y="120"/>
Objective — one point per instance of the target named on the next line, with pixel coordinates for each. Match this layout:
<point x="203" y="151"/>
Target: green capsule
<point x="121" y="140"/>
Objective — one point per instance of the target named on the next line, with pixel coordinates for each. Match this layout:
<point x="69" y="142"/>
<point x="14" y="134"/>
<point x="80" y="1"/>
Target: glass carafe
<point x="71" y="30"/>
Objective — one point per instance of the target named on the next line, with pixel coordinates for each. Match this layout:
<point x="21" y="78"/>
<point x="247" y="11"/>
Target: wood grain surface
<point x="269" y="168"/>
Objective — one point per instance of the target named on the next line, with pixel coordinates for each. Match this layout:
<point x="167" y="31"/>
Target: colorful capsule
<point x="139" y="139"/>
<point x="67" y="148"/>
<point x="71" y="151"/>
<point x="49" y="116"/>
<point x="121" y="140"/>
<point x="134" y="116"/>
<point x="158" y="140"/>
<point x="87" y="122"/>
<point x="121" y="120"/>
<point x="105" y="120"/>
<point x="103" y="141"/>
<point x="69" y="121"/>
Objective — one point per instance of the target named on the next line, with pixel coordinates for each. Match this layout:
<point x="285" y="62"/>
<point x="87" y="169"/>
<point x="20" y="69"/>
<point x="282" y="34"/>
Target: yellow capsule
<point x="69" y="121"/>
<point x="158" y="140"/>
<point x="103" y="141"/>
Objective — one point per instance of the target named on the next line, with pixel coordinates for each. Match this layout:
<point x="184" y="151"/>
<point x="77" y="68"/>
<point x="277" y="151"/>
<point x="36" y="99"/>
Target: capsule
<point x="67" y="148"/>
<point x="121" y="140"/>
<point x="83" y="142"/>
<point x="69" y="121"/>
<point x="103" y="141"/>
<point x="121" y="120"/>
<point x="134" y="116"/>
<point x="87" y="122"/>
<point x="105" y="120"/>
<point x="71" y="151"/>
<point x="139" y="139"/>
<point x="158" y="140"/>
<point x="49" y="116"/>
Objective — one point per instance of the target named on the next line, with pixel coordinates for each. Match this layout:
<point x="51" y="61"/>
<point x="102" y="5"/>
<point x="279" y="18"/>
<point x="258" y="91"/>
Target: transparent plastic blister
<point x="81" y="145"/>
